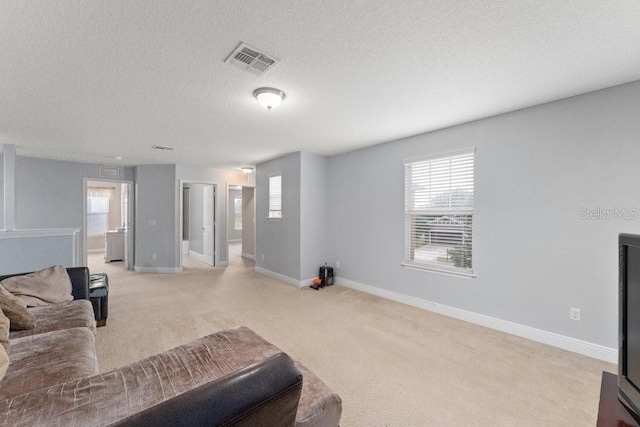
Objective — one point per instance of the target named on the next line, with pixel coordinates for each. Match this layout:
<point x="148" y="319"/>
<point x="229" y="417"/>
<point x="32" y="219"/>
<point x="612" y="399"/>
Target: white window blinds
<point x="439" y="212"/>
<point x="275" y="196"/>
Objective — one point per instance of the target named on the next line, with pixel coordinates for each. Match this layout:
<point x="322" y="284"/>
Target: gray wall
<point x="278" y="241"/>
<point x="248" y="221"/>
<point x="156" y="202"/>
<point x="49" y="193"/>
<point x="42" y="252"/>
<point x="1" y="191"/>
<point x="534" y="253"/>
<point x="232" y="234"/>
<point x="195" y="217"/>
<point x="313" y="214"/>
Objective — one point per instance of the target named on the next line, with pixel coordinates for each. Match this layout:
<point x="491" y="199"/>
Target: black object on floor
<point x="326" y="276"/>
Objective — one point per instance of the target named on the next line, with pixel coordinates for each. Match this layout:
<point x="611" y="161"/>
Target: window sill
<point x="269" y="218"/>
<point x="436" y="270"/>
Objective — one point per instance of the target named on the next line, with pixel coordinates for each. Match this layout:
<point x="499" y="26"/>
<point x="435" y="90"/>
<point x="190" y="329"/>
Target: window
<point x="97" y="215"/>
<point x="237" y="211"/>
<point x="275" y="197"/>
<point x="439" y="212"/>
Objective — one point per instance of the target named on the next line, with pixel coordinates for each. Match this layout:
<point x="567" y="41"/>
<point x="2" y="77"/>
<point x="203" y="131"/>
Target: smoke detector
<point x="251" y="60"/>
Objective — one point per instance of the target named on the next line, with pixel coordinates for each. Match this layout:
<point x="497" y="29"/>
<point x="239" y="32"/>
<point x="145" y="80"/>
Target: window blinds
<point x="439" y="212"/>
<point x="275" y="196"/>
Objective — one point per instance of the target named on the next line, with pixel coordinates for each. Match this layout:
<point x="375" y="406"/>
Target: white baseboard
<point x="160" y="270"/>
<point x="248" y="256"/>
<point x="566" y="343"/>
<point x="288" y="280"/>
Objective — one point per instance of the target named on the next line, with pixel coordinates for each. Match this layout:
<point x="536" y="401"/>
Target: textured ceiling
<point x="90" y="80"/>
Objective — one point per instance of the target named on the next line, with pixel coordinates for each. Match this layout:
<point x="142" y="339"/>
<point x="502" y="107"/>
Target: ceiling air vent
<point x="251" y="60"/>
<point x="162" y="148"/>
<point x="109" y="172"/>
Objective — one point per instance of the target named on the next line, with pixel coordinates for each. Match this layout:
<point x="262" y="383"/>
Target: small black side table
<point x="99" y="296"/>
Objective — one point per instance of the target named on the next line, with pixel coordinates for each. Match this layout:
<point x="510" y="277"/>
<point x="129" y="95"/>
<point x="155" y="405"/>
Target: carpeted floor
<point x="393" y="365"/>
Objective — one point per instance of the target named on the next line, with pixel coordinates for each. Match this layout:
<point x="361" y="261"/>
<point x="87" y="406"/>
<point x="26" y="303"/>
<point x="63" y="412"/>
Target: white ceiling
<point x="88" y="80"/>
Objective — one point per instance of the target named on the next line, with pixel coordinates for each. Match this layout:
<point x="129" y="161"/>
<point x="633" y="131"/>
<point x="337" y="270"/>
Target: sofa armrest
<point x="263" y="394"/>
<point x="79" y="282"/>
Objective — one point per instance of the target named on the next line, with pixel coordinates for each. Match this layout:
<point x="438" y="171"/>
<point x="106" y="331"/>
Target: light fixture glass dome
<point x="269" y="97"/>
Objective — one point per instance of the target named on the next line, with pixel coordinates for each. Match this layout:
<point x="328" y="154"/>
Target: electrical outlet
<point x="153" y="256"/>
<point x="263" y="257"/>
<point x="574" y="314"/>
<point x="337" y="264"/>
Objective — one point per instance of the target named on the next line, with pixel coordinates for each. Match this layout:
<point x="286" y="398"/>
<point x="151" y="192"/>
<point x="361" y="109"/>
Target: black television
<point x="629" y="323"/>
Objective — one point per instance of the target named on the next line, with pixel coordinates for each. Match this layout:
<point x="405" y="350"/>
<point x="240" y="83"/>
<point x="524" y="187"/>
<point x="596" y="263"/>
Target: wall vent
<point x="109" y="172"/>
<point x="251" y="60"/>
<point x="162" y="148"/>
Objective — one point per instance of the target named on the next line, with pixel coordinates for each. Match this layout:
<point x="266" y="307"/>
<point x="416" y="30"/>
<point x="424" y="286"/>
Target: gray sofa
<point x="232" y="377"/>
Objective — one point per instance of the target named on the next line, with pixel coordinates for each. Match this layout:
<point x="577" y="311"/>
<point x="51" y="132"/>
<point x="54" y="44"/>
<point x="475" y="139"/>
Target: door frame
<point x="211" y="259"/>
<point x="130" y="242"/>
<point x="216" y="219"/>
<point x="230" y="218"/>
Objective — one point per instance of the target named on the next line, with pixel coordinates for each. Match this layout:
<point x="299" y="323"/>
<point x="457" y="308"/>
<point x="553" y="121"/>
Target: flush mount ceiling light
<point x="269" y="97"/>
<point x="246" y="169"/>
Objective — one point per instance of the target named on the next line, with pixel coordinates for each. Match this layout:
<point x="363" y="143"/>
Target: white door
<point x="127" y="223"/>
<point x="208" y="229"/>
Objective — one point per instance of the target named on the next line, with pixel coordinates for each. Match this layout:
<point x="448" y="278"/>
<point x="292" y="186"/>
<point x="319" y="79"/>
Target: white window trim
<point x="442" y="270"/>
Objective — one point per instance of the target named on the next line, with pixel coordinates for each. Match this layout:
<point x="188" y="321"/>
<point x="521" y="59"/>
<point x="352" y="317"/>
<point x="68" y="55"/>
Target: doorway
<point x="240" y="223"/>
<point x="198" y="225"/>
<point x="108" y="223"/>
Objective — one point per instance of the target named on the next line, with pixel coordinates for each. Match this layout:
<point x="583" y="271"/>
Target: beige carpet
<point x="393" y="365"/>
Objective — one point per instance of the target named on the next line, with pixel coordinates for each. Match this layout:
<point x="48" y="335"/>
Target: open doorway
<point x="240" y="223"/>
<point x="198" y="225"/>
<point x="108" y="223"/>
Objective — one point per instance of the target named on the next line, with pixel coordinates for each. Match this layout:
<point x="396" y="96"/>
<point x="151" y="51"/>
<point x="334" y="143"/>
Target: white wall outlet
<point x="152" y="222"/>
<point x="263" y="257"/>
<point x="337" y="264"/>
<point x="574" y="314"/>
<point x="153" y="256"/>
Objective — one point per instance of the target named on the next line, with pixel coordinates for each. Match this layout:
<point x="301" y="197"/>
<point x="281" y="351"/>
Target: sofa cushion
<point x="55" y="317"/>
<point x="4" y="331"/>
<point x="16" y="310"/>
<point x="49" y="286"/>
<point x="40" y="361"/>
<point x="112" y="396"/>
<point x="263" y="394"/>
<point x="4" y="362"/>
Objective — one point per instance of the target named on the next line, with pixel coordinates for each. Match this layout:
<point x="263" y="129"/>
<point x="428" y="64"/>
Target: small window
<point x="439" y="212"/>
<point x="237" y="211"/>
<point x="275" y="197"/>
<point x="97" y="215"/>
